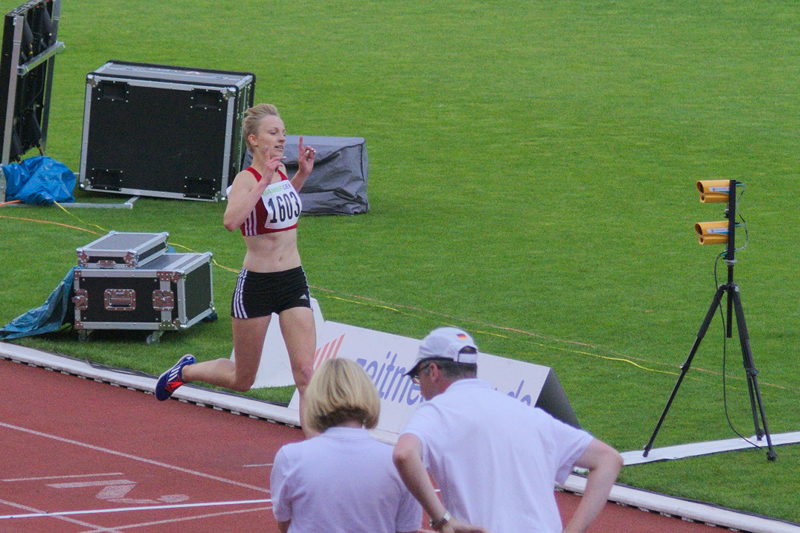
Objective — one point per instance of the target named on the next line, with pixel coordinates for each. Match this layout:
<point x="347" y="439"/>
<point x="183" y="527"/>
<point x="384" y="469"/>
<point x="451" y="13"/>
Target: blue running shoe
<point x="172" y="378"/>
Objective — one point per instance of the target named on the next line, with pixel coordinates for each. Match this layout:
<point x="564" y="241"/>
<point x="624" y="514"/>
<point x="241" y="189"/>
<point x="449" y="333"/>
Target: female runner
<point x="265" y="205"/>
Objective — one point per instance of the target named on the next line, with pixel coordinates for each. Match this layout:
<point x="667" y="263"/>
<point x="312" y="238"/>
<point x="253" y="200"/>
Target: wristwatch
<point x="439" y="524"/>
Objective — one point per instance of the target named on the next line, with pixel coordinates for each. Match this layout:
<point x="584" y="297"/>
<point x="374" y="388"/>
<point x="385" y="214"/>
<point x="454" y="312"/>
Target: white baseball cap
<point x="446" y="343"/>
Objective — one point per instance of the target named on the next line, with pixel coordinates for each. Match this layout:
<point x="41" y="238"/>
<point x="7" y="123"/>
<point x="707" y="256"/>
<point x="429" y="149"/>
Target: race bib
<point x="282" y="204"/>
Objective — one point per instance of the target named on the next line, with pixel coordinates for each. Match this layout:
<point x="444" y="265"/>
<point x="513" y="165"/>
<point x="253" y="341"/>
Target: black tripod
<point x="734" y="304"/>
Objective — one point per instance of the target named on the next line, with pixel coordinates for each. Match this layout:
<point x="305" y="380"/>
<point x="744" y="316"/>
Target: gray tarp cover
<point x="338" y="184"/>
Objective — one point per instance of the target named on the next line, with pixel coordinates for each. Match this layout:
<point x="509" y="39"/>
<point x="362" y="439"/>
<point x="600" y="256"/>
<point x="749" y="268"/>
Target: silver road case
<point x="171" y="292"/>
<point x="122" y="250"/>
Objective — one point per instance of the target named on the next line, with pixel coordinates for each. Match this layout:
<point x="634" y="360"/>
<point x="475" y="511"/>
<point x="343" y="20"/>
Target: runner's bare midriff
<point x="272" y="252"/>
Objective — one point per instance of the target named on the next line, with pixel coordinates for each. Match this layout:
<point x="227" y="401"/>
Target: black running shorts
<point x="263" y="293"/>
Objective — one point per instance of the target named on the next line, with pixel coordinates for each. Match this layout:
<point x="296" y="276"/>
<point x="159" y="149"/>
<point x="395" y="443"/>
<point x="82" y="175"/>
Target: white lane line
<point x="129" y="509"/>
<point x="184" y="519"/>
<point x="65" y="519"/>
<point x="135" y="458"/>
<point x="83" y="484"/>
<point x="71" y="476"/>
<point x="257" y="465"/>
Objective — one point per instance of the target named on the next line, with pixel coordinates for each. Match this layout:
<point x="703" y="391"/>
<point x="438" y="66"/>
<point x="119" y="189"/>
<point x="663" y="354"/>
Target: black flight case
<point x="163" y="131"/>
<point x="171" y="292"/>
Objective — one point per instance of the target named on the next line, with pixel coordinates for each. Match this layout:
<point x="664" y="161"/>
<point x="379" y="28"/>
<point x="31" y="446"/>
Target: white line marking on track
<point x="64" y="518"/>
<point x="70" y="476"/>
<point x="184" y="519"/>
<point x="257" y="466"/>
<point x="135" y="458"/>
<point x="79" y="484"/>
<point x="129" y="509"/>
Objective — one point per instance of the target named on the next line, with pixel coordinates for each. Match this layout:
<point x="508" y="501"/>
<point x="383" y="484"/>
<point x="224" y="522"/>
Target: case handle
<point x="119" y="299"/>
<point x="206" y="100"/>
<point x="114" y="91"/>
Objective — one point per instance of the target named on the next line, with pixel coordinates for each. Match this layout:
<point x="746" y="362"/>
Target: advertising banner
<point x="387" y="357"/>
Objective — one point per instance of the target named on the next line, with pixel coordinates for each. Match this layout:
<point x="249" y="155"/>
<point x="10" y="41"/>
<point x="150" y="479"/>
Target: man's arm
<point x="604" y="464"/>
<point x="407" y="458"/>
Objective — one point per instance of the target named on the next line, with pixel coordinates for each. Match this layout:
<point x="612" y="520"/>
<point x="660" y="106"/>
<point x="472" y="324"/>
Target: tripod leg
<point x="752" y="373"/>
<point x="685" y="367"/>
<point x="744" y="341"/>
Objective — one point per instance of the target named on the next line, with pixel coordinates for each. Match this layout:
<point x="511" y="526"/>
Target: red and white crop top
<point x="278" y="210"/>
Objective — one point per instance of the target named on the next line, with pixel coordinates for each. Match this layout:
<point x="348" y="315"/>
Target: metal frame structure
<point x="15" y="71"/>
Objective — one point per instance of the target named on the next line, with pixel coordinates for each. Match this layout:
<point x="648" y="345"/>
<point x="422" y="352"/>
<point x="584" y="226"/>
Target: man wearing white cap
<point x="495" y="459"/>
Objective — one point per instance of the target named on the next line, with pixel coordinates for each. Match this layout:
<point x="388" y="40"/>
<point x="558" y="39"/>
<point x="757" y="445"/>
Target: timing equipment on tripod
<point x="724" y="233"/>
<point x="712" y="232"/>
<point x="713" y="190"/>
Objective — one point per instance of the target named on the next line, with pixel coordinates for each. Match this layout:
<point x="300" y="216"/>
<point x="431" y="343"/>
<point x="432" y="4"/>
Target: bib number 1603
<point x="288" y="207"/>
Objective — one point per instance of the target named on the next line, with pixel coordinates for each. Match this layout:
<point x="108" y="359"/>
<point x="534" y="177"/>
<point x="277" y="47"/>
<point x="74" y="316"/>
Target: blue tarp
<point x="48" y="317"/>
<point x="39" y="180"/>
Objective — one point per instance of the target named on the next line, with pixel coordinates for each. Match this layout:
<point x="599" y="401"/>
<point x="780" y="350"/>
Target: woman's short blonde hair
<point x="340" y="391"/>
<point x="253" y="116"/>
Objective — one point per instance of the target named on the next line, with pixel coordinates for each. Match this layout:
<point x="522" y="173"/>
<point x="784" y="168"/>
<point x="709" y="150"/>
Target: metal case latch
<point x="163" y="300"/>
<point x="131" y="258"/>
<point x="81" y="299"/>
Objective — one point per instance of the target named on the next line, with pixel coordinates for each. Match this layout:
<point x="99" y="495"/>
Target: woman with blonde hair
<point x="342" y="480"/>
<point x="265" y="205"/>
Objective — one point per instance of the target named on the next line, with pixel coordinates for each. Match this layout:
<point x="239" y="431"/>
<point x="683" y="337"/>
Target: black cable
<point x="744" y="223"/>
<point x="725" y="342"/>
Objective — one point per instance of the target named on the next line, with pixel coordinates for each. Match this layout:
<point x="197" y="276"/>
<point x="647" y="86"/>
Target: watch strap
<point x="439" y="524"/>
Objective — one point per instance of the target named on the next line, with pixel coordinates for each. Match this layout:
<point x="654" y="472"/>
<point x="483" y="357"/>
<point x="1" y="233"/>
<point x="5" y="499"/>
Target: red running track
<point x="110" y="459"/>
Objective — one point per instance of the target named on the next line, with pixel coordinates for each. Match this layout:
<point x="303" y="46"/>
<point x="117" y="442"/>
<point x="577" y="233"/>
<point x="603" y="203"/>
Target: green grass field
<point x="532" y="179"/>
